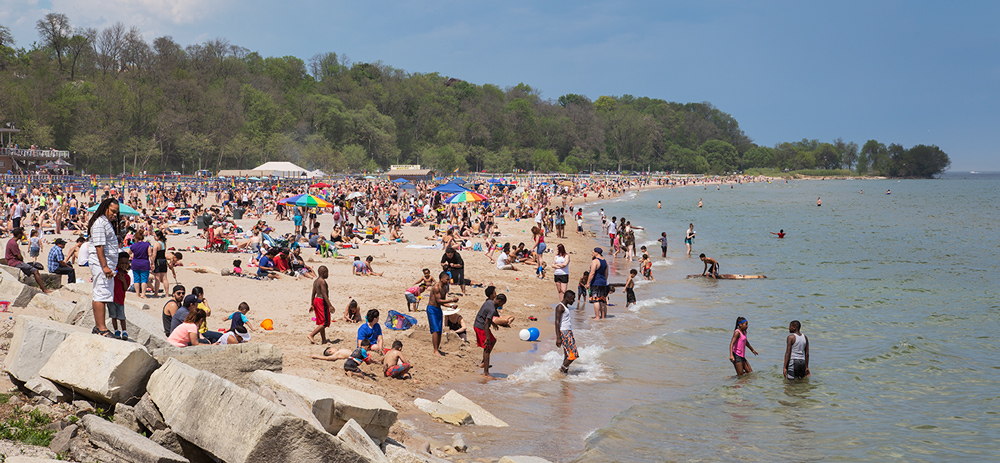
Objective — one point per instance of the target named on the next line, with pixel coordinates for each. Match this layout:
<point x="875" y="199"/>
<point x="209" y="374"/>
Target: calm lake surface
<point x="897" y="293"/>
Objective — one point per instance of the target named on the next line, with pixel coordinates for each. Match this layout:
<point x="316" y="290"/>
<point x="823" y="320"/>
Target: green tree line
<point x="109" y="95"/>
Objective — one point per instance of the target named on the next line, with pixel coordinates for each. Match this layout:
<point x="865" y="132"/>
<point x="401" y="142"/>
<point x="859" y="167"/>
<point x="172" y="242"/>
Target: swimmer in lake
<point x="688" y="237"/>
<point x="711" y="266"/>
<point x="781" y="233"/>
<point x="699" y="202"/>
<point x="658" y="205"/>
<point x="819" y="202"/>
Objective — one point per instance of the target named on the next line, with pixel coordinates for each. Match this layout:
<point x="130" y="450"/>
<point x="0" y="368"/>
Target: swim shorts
<point x="598" y="293"/>
<point x="738" y="359"/>
<point x="410" y="298"/>
<point x="351" y="365"/>
<point x="160" y="266"/>
<point x="569" y="344"/>
<point x="485" y="339"/>
<point x="434" y="318"/>
<point x="796" y="369"/>
<point x="629" y="296"/>
<point x="322" y="314"/>
<point x="560" y="278"/>
<point x="140" y="276"/>
<point x="397" y="370"/>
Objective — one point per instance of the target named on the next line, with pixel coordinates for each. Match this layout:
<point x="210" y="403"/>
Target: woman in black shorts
<point x="560" y="270"/>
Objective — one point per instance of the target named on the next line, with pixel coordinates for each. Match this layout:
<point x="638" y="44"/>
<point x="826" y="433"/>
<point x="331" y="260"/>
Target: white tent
<point x="281" y="169"/>
<point x="316" y="174"/>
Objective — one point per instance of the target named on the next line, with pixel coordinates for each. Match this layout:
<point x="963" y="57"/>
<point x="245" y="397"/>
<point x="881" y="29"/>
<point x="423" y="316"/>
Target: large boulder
<point x="480" y="416"/>
<point x="33" y="342"/>
<point x="332" y="405"/>
<point x="144" y="325"/>
<point x="100" y="368"/>
<point x="357" y="439"/>
<point x="450" y="415"/>
<point x="237" y="425"/>
<point x="235" y="362"/>
<point x="12" y="290"/>
<point x="126" y="444"/>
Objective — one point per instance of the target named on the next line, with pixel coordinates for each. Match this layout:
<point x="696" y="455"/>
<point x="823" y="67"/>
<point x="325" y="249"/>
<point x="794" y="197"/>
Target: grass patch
<point x="4" y="398"/>
<point x="27" y="427"/>
<point x="803" y="173"/>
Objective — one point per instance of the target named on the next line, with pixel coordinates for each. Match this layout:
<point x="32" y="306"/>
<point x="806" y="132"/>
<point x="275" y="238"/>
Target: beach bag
<point x="398" y="321"/>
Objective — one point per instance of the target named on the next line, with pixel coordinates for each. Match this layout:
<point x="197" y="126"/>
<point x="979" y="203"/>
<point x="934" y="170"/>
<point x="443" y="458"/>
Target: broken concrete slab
<point x="53" y="305"/>
<point x="48" y="389"/>
<point x="480" y="416"/>
<point x="100" y="368"/>
<point x="144" y="328"/>
<point x="354" y="436"/>
<point x="450" y="415"/>
<point x="33" y="342"/>
<point x="234" y="362"/>
<point x="126" y="444"/>
<point x="60" y="441"/>
<point x="13" y="290"/>
<point x="148" y="415"/>
<point x="332" y="405"/>
<point x="265" y="431"/>
<point x="125" y="417"/>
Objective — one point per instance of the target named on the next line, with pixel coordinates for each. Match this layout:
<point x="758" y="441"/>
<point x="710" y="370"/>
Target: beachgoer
<point x="320" y="305"/>
<point x="658" y="205"/>
<point x="170" y="308"/>
<point x="564" y="331"/>
<point x="629" y="288"/>
<point x="186" y="333"/>
<point x="331" y="355"/>
<point x="781" y="233"/>
<point x="819" y="202"/>
<point x="560" y="269"/>
<point x="59" y="264"/>
<point x="452" y="263"/>
<point x="455" y="322"/>
<point x="103" y="250"/>
<point x="484" y="320"/>
<point x="352" y="366"/>
<point x="711" y="266"/>
<point x="237" y="335"/>
<point x="796" y="364"/>
<point x="663" y="243"/>
<point x="368" y="267"/>
<point x="239" y="318"/>
<point x="737" y="346"/>
<point x="116" y="308"/>
<point x="581" y="288"/>
<point x="597" y="283"/>
<point x="699" y="202"/>
<point x="435" y="317"/>
<point x="352" y="314"/>
<point x="371" y="331"/>
<point x="688" y="238"/>
<point x="394" y="364"/>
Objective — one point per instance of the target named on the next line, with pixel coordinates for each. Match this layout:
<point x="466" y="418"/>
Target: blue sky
<point x="906" y="72"/>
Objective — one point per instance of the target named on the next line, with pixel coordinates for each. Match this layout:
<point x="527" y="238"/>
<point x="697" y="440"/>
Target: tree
<point x="76" y="47"/>
<point x="759" y="156"/>
<point x="827" y="156"/>
<point x="544" y="161"/>
<point x="720" y="155"/>
<point x="923" y="161"/>
<point x="55" y="32"/>
<point x="6" y="38"/>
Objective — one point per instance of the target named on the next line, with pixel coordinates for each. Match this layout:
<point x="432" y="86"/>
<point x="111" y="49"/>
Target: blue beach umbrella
<point x="122" y="209"/>
<point x="401" y="180"/>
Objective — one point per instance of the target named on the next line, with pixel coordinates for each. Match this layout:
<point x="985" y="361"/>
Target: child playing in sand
<point x="394" y="365"/>
<point x="239" y="318"/>
<point x="238" y="267"/>
<point x="358" y="356"/>
<point x="368" y="267"/>
<point x="629" y="284"/>
<point x="352" y="314"/>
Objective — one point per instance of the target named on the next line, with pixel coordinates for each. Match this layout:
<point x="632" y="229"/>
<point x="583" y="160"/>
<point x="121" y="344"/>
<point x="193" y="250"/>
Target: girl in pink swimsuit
<point x="737" y="347"/>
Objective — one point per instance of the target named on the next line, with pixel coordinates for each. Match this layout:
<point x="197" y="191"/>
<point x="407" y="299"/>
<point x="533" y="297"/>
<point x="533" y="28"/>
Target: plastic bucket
<point x="267" y="324"/>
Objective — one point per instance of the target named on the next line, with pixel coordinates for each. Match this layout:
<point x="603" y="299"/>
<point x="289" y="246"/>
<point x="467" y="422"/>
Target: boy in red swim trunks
<point x="321" y="305"/>
<point x="395" y="366"/>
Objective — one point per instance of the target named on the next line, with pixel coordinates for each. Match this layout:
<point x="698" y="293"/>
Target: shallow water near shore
<point x="897" y="293"/>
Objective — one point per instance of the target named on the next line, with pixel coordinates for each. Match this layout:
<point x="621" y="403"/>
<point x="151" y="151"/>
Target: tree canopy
<point x="165" y="106"/>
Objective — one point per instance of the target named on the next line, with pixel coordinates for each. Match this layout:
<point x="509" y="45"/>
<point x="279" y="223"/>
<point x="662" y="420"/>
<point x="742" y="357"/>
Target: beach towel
<point x="398" y="321"/>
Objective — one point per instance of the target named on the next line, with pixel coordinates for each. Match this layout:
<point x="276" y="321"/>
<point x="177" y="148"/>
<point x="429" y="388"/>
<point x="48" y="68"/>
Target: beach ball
<point x="267" y="324"/>
<point x="534" y="333"/>
<point x="524" y="335"/>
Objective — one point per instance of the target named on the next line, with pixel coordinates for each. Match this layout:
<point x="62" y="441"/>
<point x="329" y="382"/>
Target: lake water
<point x="897" y="293"/>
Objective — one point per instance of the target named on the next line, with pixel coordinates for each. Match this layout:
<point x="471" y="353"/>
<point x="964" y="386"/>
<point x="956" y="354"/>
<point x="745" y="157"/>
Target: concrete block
<point x="100" y="368"/>
<point x="148" y="415"/>
<point x="263" y="431"/>
<point x="357" y="439"/>
<point x="125" y="444"/>
<point x="48" y="389"/>
<point x="233" y="362"/>
<point x="480" y="416"/>
<point x="144" y="326"/>
<point x="332" y="405"/>
<point x="60" y="308"/>
<point x="33" y="342"/>
<point x="450" y="415"/>
<point x="12" y="290"/>
<point x="125" y="417"/>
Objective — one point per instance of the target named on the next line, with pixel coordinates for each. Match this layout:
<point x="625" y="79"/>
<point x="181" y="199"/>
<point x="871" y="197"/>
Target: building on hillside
<point x="412" y="173"/>
<point x="18" y="160"/>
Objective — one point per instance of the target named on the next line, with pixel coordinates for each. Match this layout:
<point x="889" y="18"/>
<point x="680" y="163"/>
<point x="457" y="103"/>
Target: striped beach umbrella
<point x="466" y="197"/>
<point x="306" y="200"/>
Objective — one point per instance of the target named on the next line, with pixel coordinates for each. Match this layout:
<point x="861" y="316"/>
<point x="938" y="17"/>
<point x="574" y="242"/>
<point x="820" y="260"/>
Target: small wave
<point x="650" y="243"/>
<point x="585" y="369"/>
<point x="639" y="305"/>
<point x="662" y="263"/>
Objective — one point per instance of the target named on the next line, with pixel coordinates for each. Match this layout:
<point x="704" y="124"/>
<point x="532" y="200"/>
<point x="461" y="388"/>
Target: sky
<point x="906" y="72"/>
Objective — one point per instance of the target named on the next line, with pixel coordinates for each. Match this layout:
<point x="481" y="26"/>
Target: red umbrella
<point x="320" y="185"/>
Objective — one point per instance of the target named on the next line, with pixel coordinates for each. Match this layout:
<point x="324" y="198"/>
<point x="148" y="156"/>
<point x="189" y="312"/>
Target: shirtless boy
<point x="321" y="305"/>
<point x="711" y="266"/>
<point x="435" y="316"/>
<point x="394" y="365"/>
